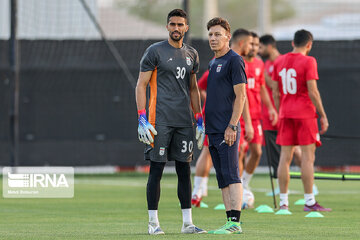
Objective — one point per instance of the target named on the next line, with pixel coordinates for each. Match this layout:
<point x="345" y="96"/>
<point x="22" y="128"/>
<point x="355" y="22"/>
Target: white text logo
<point x="37" y="180"/>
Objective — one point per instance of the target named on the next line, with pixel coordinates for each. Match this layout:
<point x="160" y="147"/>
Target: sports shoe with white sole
<point x="229" y="228"/>
<point x="191" y="228"/>
<point x="316" y="207"/>
<point x="154" y="229"/>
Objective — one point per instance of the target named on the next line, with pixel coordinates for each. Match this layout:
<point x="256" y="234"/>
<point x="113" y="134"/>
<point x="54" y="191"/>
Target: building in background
<point x="326" y="19"/>
<point x="138" y="19"/>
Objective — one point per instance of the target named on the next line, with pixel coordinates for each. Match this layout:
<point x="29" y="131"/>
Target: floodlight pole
<point x="211" y="10"/>
<point x="186" y="8"/>
<point x="14" y="61"/>
<point x="264" y="16"/>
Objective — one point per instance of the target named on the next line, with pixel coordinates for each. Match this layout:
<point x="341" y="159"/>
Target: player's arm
<point x="315" y="97"/>
<point x="194" y="94"/>
<point x="196" y="106"/>
<point x="265" y="98"/>
<point x="249" y="130"/>
<point x="240" y="93"/>
<point x="202" y="94"/>
<point x="276" y="94"/>
<point x="144" y="127"/>
<point x="140" y="90"/>
<point x="268" y="80"/>
<point x="202" y="85"/>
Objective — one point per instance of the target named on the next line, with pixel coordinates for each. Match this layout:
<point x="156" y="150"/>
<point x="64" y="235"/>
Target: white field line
<point x="127" y="183"/>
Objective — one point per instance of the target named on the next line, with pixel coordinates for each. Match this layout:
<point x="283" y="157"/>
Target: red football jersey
<point x="269" y="67"/>
<point x="255" y="77"/>
<point x="292" y="71"/>
<point x="202" y="84"/>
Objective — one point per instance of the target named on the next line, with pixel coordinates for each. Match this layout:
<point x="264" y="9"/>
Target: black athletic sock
<point x="184" y="183"/>
<point x="235" y="215"/>
<point x="228" y="214"/>
<point x="153" y="184"/>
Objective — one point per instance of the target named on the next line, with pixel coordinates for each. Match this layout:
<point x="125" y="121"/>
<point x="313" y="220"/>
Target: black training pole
<point x="14" y="50"/>
<point x="271" y="181"/>
<point x="269" y="158"/>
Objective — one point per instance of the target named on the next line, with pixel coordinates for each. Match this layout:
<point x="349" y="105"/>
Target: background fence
<point x="77" y="106"/>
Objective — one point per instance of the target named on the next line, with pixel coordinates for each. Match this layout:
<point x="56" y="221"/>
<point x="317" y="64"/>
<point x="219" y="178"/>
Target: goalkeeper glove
<point x="144" y="128"/>
<point x="200" y="130"/>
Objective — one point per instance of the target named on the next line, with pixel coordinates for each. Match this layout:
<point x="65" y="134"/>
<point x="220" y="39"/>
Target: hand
<point x="249" y="132"/>
<point x="144" y="127"/>
<point x="200" y="130"/>
<point x="324" y="124"/>
<point x="230" y="136"/>
<point x="273" y="116"/>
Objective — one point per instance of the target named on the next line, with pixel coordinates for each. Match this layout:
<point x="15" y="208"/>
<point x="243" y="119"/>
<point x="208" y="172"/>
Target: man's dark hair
<point x="268" y="39"/>
<point x="254" y="35"/>
<point x="302" y="37"/>
<point x="177" y="13"/>
<point x="219" y="21"/>
<point x="239" y="33"/>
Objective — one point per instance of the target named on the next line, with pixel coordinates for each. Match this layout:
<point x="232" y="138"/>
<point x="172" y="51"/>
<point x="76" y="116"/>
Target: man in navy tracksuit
<point x="224" y="105"/>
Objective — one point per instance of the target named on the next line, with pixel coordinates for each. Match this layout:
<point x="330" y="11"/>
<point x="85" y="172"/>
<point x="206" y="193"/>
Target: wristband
<point x="142" y="112"/>
<point x="198" y="115"/>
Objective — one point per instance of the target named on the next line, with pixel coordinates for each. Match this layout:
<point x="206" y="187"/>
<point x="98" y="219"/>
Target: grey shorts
<point x="171" y="144"/>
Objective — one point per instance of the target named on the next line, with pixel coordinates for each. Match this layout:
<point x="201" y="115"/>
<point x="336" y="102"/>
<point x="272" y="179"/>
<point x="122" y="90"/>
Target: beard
<point x="265" y="55"/>
<point x="251" y="54"/>
<point x="176" y="39"/>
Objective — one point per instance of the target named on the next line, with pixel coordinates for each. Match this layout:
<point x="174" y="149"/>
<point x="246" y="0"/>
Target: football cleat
<point x="284" y="207"/>
<point x="191" y="228"/>
<point x="229" y="228"/>
<point x="154" y="229"/>
<point x="212" y="231"/>
<point x="195" y="201"/>
<point x="316" y="207"/>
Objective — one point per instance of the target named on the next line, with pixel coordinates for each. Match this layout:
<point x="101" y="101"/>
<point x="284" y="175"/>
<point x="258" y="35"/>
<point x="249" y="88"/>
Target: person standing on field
<point x="225" y="101"/>
<point x="295" y="78"/>
<point x="170" y="68"/>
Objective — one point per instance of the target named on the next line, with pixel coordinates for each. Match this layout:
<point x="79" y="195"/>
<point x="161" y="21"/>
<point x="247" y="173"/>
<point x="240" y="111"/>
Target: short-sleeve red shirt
<point x="202" y="84"/>
<point x="255" y="77"/>
<point x="292" y="71"/>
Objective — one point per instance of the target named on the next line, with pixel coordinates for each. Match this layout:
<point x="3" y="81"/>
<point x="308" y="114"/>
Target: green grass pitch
<point x="114" y="207"/>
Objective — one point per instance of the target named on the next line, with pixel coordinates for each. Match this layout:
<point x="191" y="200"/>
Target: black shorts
<point x="171" y="144"/>
<point x="225" y="159"/>
<point x="272" y="150"/>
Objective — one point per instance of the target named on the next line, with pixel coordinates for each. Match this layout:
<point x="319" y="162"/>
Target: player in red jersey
<point x="241" y="43"/>
<point x="204" y="163"/>
<point x="256" y="93"/>
<point x="295" y="91"/>
<point x="268" y="50"/>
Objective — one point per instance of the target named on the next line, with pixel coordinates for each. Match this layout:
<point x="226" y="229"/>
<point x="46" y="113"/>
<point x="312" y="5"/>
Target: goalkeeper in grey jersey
<point x="169" y="67"/>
